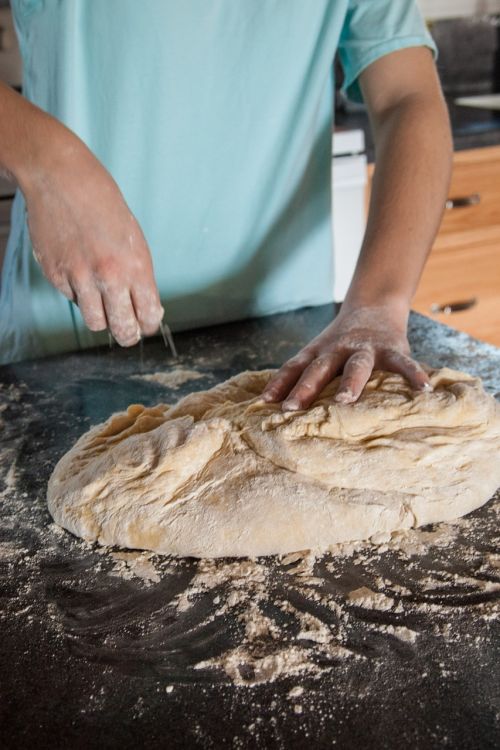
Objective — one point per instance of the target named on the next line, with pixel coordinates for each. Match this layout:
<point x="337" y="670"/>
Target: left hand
<point x="359" y="340"/>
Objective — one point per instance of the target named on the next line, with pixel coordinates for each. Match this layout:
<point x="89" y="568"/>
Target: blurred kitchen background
<point x="461" y="283"/>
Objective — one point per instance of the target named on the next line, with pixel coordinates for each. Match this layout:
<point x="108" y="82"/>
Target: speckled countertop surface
<point x="96" y="651"/>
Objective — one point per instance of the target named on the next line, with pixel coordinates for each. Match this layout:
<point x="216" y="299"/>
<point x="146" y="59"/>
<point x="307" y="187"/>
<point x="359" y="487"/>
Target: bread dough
<point x="222" y="473"/>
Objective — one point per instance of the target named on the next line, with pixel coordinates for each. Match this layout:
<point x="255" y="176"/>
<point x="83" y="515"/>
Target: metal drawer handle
<point x="453" y="307"/>
<point x="463" y="201"/>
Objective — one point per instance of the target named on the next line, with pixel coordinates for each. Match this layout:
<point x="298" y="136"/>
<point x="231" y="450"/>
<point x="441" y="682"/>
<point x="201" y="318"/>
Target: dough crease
<point x="223" y="473"/>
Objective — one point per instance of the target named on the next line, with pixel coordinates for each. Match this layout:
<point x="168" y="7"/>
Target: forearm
<point x="86" y="240"/>
<point x="31" y="141"/>
<point x="413" y="147"/>
<point x="413" y="155"/>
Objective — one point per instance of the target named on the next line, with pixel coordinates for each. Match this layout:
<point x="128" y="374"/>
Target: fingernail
<point x="344" y="396"/>
<point x="426" y="387"/>
<point x="291" y="405"/>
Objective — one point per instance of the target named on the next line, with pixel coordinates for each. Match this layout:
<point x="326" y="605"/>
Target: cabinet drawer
<point x="473" y="199"/>
<point x="469" y="278"/>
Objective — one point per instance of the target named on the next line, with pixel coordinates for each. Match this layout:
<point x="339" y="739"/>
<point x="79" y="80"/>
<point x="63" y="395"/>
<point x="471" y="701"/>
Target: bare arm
<point x="84" y="236"/>
<point x="411" y="179"/>
<point x="413" y="148"/>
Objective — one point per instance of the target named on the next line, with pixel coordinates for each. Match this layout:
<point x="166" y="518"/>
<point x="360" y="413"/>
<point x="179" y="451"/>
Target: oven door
<point x="348" y="216"/>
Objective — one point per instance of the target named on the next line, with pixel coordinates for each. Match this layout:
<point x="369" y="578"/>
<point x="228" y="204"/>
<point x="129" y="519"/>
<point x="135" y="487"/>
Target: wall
<point x="433" y="9"/>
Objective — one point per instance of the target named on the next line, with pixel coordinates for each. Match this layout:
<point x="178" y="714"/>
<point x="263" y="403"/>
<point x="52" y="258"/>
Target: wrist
<point x="395" y="303"/>
<point x="52" y="147"/>
<point x="59" y="163"/>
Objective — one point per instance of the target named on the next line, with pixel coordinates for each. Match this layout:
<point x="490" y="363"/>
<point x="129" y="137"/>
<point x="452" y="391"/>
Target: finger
<point x="120" y="315"/>
<point x="357" y="371"/>
<point x="312" y="381"/>
<point x="283" y="381"/>
<point x="90" y="303"/>
<point x="147" y="307"/>
<point x="65" y="288"/>
<point x="412" y="371"/>
<point x="61" y="282"/>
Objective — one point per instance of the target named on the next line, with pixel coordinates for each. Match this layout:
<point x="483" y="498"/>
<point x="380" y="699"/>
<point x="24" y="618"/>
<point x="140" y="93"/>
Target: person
<point x="176" y="156"/>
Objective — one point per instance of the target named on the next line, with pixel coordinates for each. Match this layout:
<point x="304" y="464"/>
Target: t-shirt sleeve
<point x="372" y="29"/>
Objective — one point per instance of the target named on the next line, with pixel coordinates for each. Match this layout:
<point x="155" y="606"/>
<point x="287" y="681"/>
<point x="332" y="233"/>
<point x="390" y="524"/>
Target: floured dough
<point x="222" y="473"/>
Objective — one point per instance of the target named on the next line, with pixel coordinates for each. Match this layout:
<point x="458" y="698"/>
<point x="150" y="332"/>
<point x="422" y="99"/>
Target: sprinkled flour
<point x="172" y="379"/>
<point x="246" y="622"/>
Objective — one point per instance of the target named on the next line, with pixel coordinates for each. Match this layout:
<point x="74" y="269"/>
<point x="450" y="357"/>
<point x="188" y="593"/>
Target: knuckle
<point x="302" y="359"/>
<point x="290" y="366"/>
<point x="108" y="269"/>
<point x="305" y="385"/>
<point x="353" y="370"/>
<point x="140" y="263"/>
<point x="362" y="356"/>
<point x="78" y="269"/>
<point x="83" y="286"/>
<point x="393" y="356"/>
<point x="322" y="363"/>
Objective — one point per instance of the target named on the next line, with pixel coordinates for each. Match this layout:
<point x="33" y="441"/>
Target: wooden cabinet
<point x="460" y="285"/>
<point x="473" y="208"/>
<point x="461" y="288"/>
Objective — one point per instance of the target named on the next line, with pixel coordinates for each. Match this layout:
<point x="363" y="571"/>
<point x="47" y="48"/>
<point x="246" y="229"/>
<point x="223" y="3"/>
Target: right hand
<point x="90" y="246"/>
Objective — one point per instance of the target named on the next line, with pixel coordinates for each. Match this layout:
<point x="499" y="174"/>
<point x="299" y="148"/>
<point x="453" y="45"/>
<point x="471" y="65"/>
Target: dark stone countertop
<point x="471" y="127"/>
<point x="90" y="658"/>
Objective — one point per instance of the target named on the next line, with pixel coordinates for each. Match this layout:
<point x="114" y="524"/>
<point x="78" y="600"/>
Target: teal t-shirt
<point x="215" y="119"/>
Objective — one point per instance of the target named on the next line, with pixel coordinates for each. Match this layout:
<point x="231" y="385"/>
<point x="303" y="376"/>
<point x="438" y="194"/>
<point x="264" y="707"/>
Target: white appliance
<point x="481" y="101"/>
<point x="434" y="10"/>
<point x="349" y="178"/>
